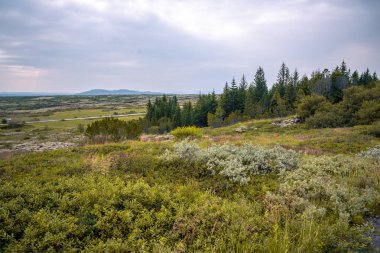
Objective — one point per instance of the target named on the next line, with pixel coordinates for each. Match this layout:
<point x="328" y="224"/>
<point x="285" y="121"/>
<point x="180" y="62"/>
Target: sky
<point x="178" y="46"/>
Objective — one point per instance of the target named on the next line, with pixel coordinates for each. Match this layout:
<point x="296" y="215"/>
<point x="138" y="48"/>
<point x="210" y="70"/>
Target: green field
<point x="162" y="196"/>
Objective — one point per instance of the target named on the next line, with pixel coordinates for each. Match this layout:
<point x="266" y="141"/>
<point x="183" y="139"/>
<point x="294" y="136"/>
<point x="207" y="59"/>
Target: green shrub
<point x="374" y="129"/>
<point x="113" y="129"/>
<point x="214" y="121"/>
<point x="187" y="132"/>
<point x="368" y="112"/>
<point x="327" y="115"/>
<point x="309" y="106"/>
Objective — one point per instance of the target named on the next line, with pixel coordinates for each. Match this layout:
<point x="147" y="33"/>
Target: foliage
<point x="372" y="153"/>
<point x="187" y="132"/>
<point x="360" y="105"/>
<point x="124" y="198"/>
<point x="233" y="162"/>
<point x="114" y="129"/>
<point x="368" y="112"/>
<point x="166" y="113"/>
<point x="14" y="125"/>
<point x="309" y="106"/>
<point x="242" y="101"/>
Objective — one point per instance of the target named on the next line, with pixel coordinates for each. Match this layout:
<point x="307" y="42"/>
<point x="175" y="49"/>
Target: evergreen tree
<point x="233" y="97"/>
<point x="282" y="79"/>
<point x="278" y="106"/>
<point x="339" y="81"/>
<point x="304" y="85"/>
<point x="354" y="78"/>
<point x="250" y="102"/>
<point x="224" y="100"/>
<point x="365" y="78"/>
<point x="261" y="89"/>
<point x="205" y="104"/>
<point x="241" y="94"/>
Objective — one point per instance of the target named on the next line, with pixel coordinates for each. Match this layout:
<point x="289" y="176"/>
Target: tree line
<point x="244" y="100"/>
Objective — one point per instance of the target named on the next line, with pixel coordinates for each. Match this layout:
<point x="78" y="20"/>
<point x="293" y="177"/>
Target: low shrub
<point x="235" y="162"/>
<point x="187" y="132"/>
<point x="327" y="185"/>
<point x="372" y="153"/>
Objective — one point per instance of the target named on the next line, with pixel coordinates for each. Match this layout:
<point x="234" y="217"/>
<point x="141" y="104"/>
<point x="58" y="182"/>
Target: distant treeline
<point x="254" y="100"/>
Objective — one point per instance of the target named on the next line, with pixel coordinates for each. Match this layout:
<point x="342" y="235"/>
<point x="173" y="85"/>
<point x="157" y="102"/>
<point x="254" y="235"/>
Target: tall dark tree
<point x="339" y="81"/>
<point x="187" y="114"/>
<point x="282" y="79"/>
<point x="261" y="89"/>
<point x="241" y="94"/>
<point x="354" y="80"/>
<point x="206" y="104"/>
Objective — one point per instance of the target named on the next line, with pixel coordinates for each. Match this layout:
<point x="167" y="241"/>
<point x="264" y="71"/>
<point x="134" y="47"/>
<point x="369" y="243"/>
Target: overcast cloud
<point x="177" y="46"/>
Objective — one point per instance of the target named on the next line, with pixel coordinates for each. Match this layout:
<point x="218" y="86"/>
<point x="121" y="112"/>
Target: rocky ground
<point x="287" y="122"/>
<point x="35" y="147"/>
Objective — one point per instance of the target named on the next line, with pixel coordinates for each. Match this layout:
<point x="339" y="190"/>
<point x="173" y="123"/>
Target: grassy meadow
<point x="164" y="196"/>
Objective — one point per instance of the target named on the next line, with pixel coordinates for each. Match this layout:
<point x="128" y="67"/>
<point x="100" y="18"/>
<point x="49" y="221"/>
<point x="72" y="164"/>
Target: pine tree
<point x="187" y="114"/>
<point x="354" y="80"/>
<point x="365" y="78"/>
<point x="224" y="100"/>
<point x="234" y="97"/>
<point x="241" y="94"/>
<point x="277" y="105"/>
<point x="261" y="89"/>
<point x="282" y="79"/>
<point x="250" y="102"/>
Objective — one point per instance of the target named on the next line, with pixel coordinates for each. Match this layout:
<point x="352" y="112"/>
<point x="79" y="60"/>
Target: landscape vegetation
<point x="291" y="168"/>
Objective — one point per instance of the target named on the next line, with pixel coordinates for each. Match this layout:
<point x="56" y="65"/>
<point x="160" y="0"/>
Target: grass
<point x="298" y="137"/>
<point x="124" y="197"/>
<point x="121" y="196"/>
<point x="72" y="124"/>
<point x="69" y="114"/>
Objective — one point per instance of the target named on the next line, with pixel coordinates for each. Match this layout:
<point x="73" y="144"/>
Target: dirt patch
<point x="156" y="138"/>
<point x="35" y="147"/>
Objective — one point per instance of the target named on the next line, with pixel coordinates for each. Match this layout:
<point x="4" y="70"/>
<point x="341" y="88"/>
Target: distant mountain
<point x="98" y="92"/>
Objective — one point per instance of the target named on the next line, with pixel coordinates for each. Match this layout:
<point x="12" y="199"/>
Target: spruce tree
<point x="241" y="94"/>
<point x="282" y="79"/>
<point x="260" y="82"/>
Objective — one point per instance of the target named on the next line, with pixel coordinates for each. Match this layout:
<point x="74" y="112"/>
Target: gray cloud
<point x="182" y="46"/>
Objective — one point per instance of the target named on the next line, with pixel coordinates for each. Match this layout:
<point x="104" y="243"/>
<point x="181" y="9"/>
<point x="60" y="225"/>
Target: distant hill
<point x="97" y="92"/>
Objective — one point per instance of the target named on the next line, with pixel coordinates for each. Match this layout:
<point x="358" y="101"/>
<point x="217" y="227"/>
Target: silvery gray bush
<point x="238" y="163"/>
<point x="326" y="181"/>
<point x="372" y="153"/>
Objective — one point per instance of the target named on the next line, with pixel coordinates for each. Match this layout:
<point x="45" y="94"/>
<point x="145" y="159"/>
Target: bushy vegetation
<point x="113" y="129"/>
<point x="187" y="132"/>
<point x="372" y="153"/>
<point x="113" y="198"/>
<point x="359" y="105"/>
<point x="323" y="100"/>
<point x="234" y="162"/>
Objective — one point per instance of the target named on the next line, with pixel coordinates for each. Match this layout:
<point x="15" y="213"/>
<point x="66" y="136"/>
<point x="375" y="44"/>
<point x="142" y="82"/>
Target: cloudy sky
<point x="177" y="46"/>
